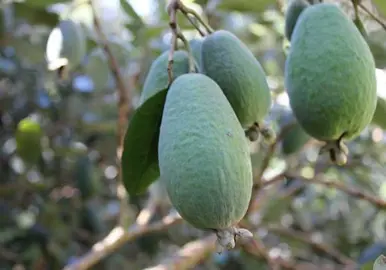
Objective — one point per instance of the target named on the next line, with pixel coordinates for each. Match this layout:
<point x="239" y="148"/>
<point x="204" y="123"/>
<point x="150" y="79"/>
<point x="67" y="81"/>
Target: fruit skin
<point x="203" y="154"/>
<point x="295" y="8"/>
<point x="380" y="111"/>
<point x="379" y="114"/>
<point x="229" y="62"/>
<point x="332" y="88"/>
<point x="295" y="137"/>
<point x="196" y="45"/>
<point x="157" y="78"/>
<point x="28" y="136"/>
<point x="66" y="45"/>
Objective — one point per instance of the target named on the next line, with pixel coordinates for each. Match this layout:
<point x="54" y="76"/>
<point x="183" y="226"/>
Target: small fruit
<point x="157" y="78"/>
<point x="97" y="68"/>
<point x="204" y="157"/>
<point x="295" y="8"/>
<point x="331" y="87"/>
<point x="295" y="137"/>
<point x="28" y="136"/>
<point x="66" y="45"/>
<point x="229" y="62"/>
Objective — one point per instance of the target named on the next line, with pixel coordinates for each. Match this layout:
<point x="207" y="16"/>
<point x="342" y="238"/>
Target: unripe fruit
<point x="229" y="62"/>
<point x="204" y="156"/>
<point x="157" y="78"/>
<point x="66" y="45"/>
<point x="295" y="137"/>
<point x="330" y="77"/>
<point x="295" y="8"/>
<point x="196" y="45"/>
<point x="379" y="118"/>
<point x="28" y="136"/>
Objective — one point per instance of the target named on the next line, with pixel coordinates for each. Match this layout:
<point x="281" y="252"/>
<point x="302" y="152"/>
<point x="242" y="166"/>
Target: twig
<point x="185" y="10"/>
<point x="341" y="258"/>
<point x="257" y="248"/>
<point x="375" y="18"/>
<point x="173" y="7"/>
<point x="270" y="152"/>
<point x="117" y="238"/>
<point x="189" y="255"/>
<point x="350" y="191"/>
<point x="193" y="23"/>
<point x="124" y="107"/>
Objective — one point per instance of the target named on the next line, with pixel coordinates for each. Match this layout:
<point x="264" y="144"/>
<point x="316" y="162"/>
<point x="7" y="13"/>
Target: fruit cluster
<point x="209" y="113"/>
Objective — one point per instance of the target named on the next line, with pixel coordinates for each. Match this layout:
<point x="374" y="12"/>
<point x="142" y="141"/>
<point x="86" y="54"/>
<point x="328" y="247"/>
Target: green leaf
<point x="129" y="10"/>
<point x="35" y="15"/>
<point x="381" y="6"/>
<point x="140" y="154"/>
<point x="43" y="3"/>
<point x="245" y="5"/>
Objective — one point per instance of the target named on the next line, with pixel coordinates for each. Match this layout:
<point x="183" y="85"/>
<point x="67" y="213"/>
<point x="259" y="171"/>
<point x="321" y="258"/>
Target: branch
<point x="257" y="249"/>
<point x="338" y="256"/>
<point x="189" y="255"/>
<point x="124" y="107"/>
<point x="258" y="182"/>
<point x="350" y="191"/>
<point x="373" y="16"/>
<point x="118" y="237"/>
<point x="173" y="7"/>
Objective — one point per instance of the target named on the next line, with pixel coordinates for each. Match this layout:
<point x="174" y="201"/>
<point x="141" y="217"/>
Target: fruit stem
<point x="177" y="34"/>
<point x="186" y="11"/>
<point x="373" y="16"/>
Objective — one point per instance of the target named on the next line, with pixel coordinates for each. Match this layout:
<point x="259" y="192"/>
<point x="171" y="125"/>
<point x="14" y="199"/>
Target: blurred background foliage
<point x="58" y="141"/>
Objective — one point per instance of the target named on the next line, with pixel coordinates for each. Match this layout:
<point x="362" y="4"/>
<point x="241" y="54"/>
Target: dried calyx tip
<point x="338" y="151"/>
<point x="226" y="238"/>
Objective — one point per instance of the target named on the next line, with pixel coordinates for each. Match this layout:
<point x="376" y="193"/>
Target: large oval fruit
<point x="294" y="9"/>
<point x="203" y="154"/>
<point x="157" y="78"/>
<point x="229" y="62"/>
<point x="66" y="45"/>
<point x="330" y="77"/>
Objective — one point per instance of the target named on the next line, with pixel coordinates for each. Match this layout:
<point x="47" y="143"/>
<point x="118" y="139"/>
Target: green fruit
<point x="203" y="154"/>
<point x="229" y="62"/>
<point x="379" y="118"/>
<point x="295" y="8"/>
<point x="28" y="136"/>
<point x="157" y="78"/>
<point x="295" y="137"/>
<point x="85" y="177"/>
<point x="196" y="45"/>
<point x="97" y="68"/>
<point x="330" y="77"/>
<point x="66" y="45"/>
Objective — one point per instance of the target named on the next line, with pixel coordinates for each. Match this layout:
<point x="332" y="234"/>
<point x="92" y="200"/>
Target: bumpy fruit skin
<point x="196" y="45"/>
<point x="203" y="154"/>
<point x="229" y="62"/>
<point x="295" y="8"/>
<point x="157" y="78"/>
<point x="295" y="137"/>
<point x="330" y="75"/>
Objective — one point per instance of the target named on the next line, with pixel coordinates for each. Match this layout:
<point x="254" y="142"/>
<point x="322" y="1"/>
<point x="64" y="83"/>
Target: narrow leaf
<point x="140" y="155"/>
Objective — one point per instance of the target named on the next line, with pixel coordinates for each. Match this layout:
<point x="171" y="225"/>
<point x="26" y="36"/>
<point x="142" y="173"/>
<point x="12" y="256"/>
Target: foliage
<point x="61" y="194"/>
